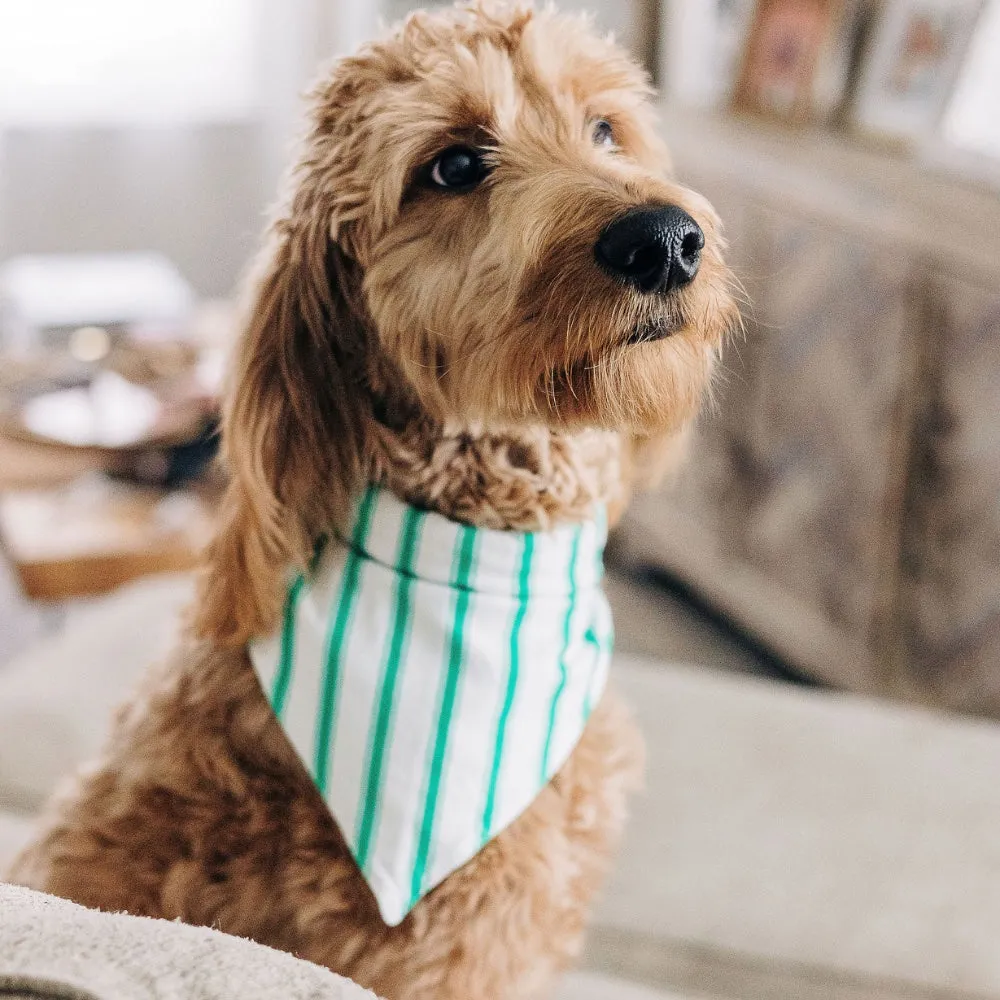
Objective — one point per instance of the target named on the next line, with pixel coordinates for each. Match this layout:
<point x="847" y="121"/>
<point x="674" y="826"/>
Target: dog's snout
<point x="656" y="248"/>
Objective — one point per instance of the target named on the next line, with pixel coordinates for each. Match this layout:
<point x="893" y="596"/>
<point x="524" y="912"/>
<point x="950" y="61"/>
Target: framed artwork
<point x="911" y="66"/>
<point x="836" y="80"/>
<point x="788" y="45"/>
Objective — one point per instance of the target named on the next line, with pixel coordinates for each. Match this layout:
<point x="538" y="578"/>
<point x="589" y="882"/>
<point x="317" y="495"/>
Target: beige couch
<point x="791" y="842"/>
<point x="50" y="948"/>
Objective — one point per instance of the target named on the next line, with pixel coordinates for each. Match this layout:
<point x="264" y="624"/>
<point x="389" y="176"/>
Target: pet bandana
<point x="433" y="677"/>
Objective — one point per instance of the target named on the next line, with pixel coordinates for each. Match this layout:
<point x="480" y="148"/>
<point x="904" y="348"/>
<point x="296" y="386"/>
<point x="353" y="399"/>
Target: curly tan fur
<point x="466" y="351"/>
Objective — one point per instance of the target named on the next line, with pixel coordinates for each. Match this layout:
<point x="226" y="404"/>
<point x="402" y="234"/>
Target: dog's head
<point x="482" y="227"/>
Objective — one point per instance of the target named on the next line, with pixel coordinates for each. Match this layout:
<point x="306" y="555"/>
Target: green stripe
<point x="283" y="675"/>
<point x="512" y="676"/>
<point x="345" y="603"/>
<point x="563" y="673"/>
<point x="286" y="657"/>
<point x="385" y="702"/>
<point x="456" y="656"/>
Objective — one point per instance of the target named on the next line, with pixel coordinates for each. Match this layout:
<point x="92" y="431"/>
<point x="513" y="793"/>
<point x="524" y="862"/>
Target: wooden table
<point x="70" y="531"/>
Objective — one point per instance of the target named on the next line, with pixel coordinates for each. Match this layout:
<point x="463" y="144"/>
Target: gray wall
<point x="195" y="195"/>
<point x="198" y="194"/>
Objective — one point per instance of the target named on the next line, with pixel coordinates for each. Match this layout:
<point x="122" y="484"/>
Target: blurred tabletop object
<point x="46" y="299"/>
<point x="96" y="534"/>
<point x="106" y="470"/>
<point x="25" y="465"/>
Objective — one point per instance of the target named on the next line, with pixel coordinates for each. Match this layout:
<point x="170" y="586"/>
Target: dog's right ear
<point x="295" y="420"/>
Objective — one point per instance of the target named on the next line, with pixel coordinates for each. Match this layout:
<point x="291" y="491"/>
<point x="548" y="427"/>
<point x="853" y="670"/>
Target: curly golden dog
<point x="486" y="293"/>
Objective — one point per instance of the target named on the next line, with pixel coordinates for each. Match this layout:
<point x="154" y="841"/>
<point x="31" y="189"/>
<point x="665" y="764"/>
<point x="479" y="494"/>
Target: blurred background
<point x="809" y="617"/>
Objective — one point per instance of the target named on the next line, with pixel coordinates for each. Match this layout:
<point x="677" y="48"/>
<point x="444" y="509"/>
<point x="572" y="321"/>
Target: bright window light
<point x="109" y="62"/>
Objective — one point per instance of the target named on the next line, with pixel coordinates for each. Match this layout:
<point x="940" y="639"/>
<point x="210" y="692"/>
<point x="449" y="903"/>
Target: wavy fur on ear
<point x="295" y="422"/>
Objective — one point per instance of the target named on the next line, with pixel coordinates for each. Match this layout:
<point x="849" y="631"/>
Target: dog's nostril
<point x="654" y="248"/>
<point x="691" y="246"/>
<point x="647" y="260"/>
<point x="689" y="257"/>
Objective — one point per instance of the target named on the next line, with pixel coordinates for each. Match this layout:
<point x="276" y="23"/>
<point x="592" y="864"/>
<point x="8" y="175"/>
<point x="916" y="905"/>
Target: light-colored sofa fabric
<point x="56" y="696"/>
<point x="52" y="948"/>
<point x="781" y="826"/>
<point x="593" y="986"/>
<point x="814" y="828"/>
<point x="15" y="831"/>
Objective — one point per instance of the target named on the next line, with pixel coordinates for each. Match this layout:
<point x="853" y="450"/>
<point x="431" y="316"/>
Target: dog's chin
<point x="650" y="331"/>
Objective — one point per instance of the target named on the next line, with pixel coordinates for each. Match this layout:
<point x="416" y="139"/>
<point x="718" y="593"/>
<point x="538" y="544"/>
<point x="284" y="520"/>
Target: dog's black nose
<point x="657" y="248"/>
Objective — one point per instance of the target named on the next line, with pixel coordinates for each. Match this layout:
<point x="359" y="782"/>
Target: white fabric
<point x="52" y="949"/>
<point x="433" y="677"/>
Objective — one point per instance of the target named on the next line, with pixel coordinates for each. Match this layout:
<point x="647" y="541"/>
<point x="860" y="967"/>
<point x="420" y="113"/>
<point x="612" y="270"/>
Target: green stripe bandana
<point x="433" y="677"/>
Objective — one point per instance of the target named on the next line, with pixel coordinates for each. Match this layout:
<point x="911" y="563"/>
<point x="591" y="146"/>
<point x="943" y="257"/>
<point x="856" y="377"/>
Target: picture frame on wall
<point x="911" y="65"/>
<point x="796" y="59"/>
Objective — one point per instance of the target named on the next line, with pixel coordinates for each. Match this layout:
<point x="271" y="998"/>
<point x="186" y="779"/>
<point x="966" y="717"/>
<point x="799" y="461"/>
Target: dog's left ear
<point x="297" y="415"/>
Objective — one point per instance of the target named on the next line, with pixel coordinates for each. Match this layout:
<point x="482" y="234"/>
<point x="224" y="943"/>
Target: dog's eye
<point x="603" y="133"/>
<point x="458" y="168"/>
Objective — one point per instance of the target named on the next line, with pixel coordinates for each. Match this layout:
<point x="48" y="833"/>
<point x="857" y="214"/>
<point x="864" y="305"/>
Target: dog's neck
<point x="526" y="479"/>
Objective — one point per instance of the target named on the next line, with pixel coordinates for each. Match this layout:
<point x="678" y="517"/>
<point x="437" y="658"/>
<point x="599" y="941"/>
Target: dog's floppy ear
<point x="296" y="416"/>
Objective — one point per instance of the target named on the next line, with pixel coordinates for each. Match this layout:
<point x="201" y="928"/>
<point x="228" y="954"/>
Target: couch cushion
<point x="56" y="696"/>
<point x="780" y="824"/>
<point x="811" y="827"/>
<point x="593" y="986"/>
<point x="52" y="948"/>
<point x="15" y="831"/>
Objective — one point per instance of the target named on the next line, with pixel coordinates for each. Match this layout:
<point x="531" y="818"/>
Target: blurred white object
<point x="972" y="122"/>
<point x="701" y="48"/>
<point x="210" y="372"/>
<point x="109" y="413"/>
<point x="832" y="80"/>
<point x="113" y="62"/>
<point x="45" y="299"/>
